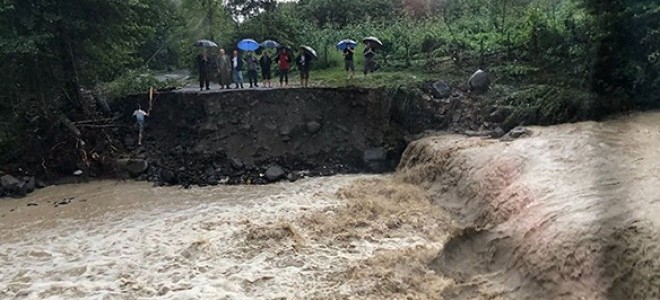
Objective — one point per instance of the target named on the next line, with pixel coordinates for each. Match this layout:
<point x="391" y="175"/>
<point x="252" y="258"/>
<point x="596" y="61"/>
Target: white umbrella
<point x="205" y="44"/>
<point x="372" y="39"/>
<point x="309" y="49"/>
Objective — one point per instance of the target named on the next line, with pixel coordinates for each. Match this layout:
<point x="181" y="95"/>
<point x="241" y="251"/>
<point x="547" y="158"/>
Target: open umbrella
<point x="205" y="44"/>
<point x="341" y="46"/>
<point x="373" y="40"/>
<point x="248" y="45"/>
<point x="309" y="49"/>
<point x="270" y="44"/>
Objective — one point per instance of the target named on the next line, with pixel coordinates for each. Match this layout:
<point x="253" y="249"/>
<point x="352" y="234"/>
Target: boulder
<point x="479" y="82"/>
<point x="40" y="184"/>
<point x="313" y="127"/>
<point x="167" y="176"/>
<point x="236" y="163"/>
<point x="275" y="173"/>
<point x="30" y="184"/>
<point x="376" y="159"/>
<point x="497" y="133"/>
<point x="441" y="89"/>
<point x="134" y="167"/>
<point x="10" y="184"/>
<point x="518" y="132"/>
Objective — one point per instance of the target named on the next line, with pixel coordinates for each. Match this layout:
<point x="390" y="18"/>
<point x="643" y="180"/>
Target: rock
<point x="313" y="127"/>
<point x="275" y="173"/>
<point x="441" y="89"/>
<point x="208" y="127"/>
<point x="497" y="133"/>
<point x="376" y="159"/>
<point x="292" y="177"/>
<point x="167" y="176"/>
<point x="479" y="82"/>
<point x="11" y="184"/>
<point x="77" y="172"/>
<point x="40" y="184"/>
<point x="456" y="117"/>
<point x="32" y="204"/>
<point x="518" y="132"/>
<point x="30" y="184"/>
<point x="482" y="133"/>
<point x="500" y="114"/>
<point x="134" y="167"/>
<point x="236" y="163"/>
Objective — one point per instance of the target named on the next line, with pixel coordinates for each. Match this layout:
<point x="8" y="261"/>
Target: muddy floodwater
<point x="127" y="240"/>
<point x="568" y="212"/>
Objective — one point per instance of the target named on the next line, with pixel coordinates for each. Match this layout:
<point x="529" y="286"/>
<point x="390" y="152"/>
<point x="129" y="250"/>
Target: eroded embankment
<point x="569" y="212"/>
<point x="208" y="137"/>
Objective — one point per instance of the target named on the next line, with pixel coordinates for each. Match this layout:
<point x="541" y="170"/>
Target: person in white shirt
<point x="139" y="115"/>
<point x="237" y="69"/>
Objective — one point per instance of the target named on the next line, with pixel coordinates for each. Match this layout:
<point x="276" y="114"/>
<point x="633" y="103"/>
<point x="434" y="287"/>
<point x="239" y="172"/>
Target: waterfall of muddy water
<point x="324" y="238"/>
<point x="571" y="212"/>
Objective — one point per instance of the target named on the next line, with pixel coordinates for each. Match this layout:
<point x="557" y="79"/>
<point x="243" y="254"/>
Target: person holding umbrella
<point x="349" y="64"/>
<point x="369" y="59"/>
<point x="237" y="69"/>
<point x="224" y="69"/>
<point x="203" y="69"/>
<point x="265" y="62"/>
<point x="347" y="46"/>
<point x="283" y="62"/>
<point x="304" y="62"/>
<point x="370" y="43"/>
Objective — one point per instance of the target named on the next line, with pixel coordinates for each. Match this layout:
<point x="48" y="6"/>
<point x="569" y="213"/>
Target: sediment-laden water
<point x="126" y="240"/>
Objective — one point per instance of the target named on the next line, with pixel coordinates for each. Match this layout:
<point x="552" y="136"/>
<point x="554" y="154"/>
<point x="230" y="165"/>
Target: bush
<point x="136" y="82"/>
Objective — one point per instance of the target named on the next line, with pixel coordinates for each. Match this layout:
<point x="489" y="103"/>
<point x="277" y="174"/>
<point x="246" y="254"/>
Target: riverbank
<point x="567" y="211"/>
<point x="257" y="136"/>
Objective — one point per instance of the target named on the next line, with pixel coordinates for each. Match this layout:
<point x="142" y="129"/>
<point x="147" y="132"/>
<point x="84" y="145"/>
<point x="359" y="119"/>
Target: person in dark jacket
<point x="252" y="64"/>
<point x="349" y="64"/>
<point x="237" y="69"/>
<point x="203" y="68"/>
<point x="284" y="62"/>
<point x="304" y="62"/>
<point x="265" y="62"/>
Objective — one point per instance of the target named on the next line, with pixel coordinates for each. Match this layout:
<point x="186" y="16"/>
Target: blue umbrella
<point x="248" y="45"/>
<point x="341" y="46"/>
<point x="270" y="44"/>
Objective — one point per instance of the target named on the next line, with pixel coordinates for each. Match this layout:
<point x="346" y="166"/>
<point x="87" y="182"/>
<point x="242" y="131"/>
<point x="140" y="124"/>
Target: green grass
<point x="337" y="77"/>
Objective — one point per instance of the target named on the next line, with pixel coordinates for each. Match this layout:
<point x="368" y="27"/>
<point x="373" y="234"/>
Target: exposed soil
<point x="260" y="136"/>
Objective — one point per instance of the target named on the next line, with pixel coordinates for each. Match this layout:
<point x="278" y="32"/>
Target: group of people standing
<point x="229" y="70"/>
<point x="369" y="60"/>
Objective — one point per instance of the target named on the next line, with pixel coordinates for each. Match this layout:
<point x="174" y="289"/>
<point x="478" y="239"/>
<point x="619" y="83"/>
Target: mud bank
<point x="568" y="213"/>
<point x="260" y="136"/>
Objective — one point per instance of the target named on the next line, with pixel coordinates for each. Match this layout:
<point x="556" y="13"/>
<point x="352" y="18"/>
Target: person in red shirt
<point x="284" y="62"/>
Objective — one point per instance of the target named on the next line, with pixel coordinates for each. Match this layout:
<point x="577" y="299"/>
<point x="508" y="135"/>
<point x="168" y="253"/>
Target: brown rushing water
<point x="128" y="240"/>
